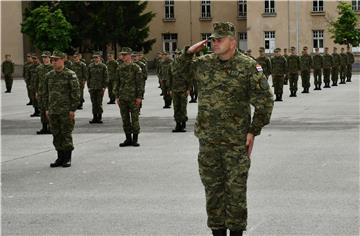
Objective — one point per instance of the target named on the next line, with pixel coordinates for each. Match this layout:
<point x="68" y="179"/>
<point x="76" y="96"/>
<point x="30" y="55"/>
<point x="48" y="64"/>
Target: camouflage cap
<point x="34" y="55"/>
<point x="46" y="54"/>
<point x="292" y="48"/>
<point x="126" y="50"/>
<point x="305" y="48"/>
<point x="222" y="29"/>
<point x="58" y="54"/>
<point x="77" y="53"/>
<point x="97" y="54"/>
<point x="261" y="49"/>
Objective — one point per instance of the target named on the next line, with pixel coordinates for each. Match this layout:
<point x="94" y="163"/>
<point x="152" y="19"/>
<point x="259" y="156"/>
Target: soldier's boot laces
<point x="236" y="233"/>
<point x="127" y="142"/>
<point x="219" y="232"/>
<point x="67" y="159"/>
<point x="135" y="140"/>
<point x="177" y="128"/>
<point x="59" y="161"/>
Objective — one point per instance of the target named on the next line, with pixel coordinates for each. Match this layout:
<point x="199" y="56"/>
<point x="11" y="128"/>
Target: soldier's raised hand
<point x="197" y="47"/>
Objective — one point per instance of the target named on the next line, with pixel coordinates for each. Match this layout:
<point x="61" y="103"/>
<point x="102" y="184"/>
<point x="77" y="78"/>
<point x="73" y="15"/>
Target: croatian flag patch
<point x="258" y="68"/>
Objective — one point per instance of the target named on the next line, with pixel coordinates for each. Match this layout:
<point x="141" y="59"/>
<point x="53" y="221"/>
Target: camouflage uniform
<point x="165" y="71"/>
<point x="335" y="69"/>
<point x="112" y="67"/>
<point x="226" y="90"/>
<point x="305" y="66"/>
<point x="144" y="73"/>
<point x="351" y="61"/>
<point x="61" y="95"/>
<point x="327" y="65"/>
<point x="26" y="75"/>
<point x="317" y="70"/>
<point x="7" y="69"/>
<point x="279" y="69"/>
<point x="81" y="72"/>
<point x="265" y="64"/>
<point x="343" y="67"/>
<point x="286" y="77"/>
<point x="293" y="73"/>
<point x="32" y="86"/>
<point x="97" y="82"/>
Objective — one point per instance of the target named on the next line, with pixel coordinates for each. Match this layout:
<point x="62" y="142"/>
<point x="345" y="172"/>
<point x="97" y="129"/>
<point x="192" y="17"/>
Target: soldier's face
<point x="46" y="60"/>
<point x="222" y="46"/>
<point x="58" y="63"/>
<point x="76" y="58"/>
<point x="127" y="58"/>
<point x="97" y="59"/>
<point x="110" y="57"/>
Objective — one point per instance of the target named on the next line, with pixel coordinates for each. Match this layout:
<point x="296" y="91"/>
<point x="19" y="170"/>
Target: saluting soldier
<point x="317" y="69"/>
<point x="343" y="66"/>
<point x="305" y="66"/>
<point x="278" y="71"/>
<point x="351" y="61"/>
<point x="112" y="67"/>
<point x="264" y="62"/>
<point x="293" y="71"/>
<point x="327" y="65"/>
<point x="80" y="69"/>
<point x="335" y="67"/>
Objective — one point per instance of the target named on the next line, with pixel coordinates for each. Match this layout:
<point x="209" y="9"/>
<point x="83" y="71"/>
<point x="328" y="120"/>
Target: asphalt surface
<point x="304" y="178"/>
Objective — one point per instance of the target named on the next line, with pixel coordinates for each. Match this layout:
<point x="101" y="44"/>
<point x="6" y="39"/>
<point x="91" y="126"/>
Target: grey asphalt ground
<point x="304" y="178"/>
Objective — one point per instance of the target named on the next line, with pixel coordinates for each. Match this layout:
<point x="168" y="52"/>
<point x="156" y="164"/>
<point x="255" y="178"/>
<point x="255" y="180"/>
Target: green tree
<point x="47" y="30"/>
<point x="344" y="28"/>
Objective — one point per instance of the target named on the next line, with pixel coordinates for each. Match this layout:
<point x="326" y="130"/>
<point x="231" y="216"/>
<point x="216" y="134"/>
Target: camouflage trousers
<point x="224" y="172"/>
<point x="166" y="96"/>
<point x="335" y="74"/>
<point x="327" y="72"/>
<point x="293" y="81"/>
<point x="28" y="89"/>
<point x="342" y="72"/>
<point x="61" y="128"/>
<point x="110" y="90"/>
<point x="180" y="104"/>
<point x="349" y="72"/>
<point x="305" y="79"/>
<point x="82" y="86"/>
<point x="278" y="82"/>
<point x="130" y="116"/>
<point x="8" y="82"/>
<point x="96" y="96"/>
<point x="317" y="77"/>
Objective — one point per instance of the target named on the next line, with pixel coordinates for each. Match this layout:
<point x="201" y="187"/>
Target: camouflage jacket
<point x="42" y="70"/>
<point x="112" y="67"/>
<point x="293" y="64"/>
<point x="305" y="62"/>
<point x="33" y="76"/>
<point x="327" y="61"/>
<point x="278" y="65"/>
<point x="129" y="83"/>
<point x="317" y="61"/>
<point x="61" y="92"/>
<point x="351" y="58"/>
<point x="7" y="67"/>
<point x="68" y="64"/>
<point x="179" y="80"/>
<point x="336" y="60"/>
<point x="165" y="69"/>
<point x="80" y="70"/>
<point x="226" y="91"/>
<point x="26" y="71"/>
<point x="143" y="69"/>
<point x="98" y="77"/>
<point x="265" y="63"/>
<point x="343" y="59"/>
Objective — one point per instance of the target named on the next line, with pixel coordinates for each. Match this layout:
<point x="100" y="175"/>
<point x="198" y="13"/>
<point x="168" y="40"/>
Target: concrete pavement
<point x="304" y="178"/>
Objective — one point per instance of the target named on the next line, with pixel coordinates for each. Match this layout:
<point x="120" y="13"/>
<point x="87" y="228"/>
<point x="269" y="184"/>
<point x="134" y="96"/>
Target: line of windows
<point x="355" y="5"/>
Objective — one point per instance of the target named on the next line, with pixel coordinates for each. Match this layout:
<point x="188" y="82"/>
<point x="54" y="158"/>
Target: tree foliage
<point x="47" y="30"/>
<point x="344" y="28"/>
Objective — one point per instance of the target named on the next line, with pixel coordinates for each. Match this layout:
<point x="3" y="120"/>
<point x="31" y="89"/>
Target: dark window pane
<point x="267" y="44"/>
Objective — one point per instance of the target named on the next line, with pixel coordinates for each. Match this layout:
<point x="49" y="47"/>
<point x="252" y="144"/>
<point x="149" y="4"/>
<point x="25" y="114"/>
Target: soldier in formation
<point x="112" y="65"/>
<point x="32" y="84"/>
<point x="278" y="72"/>
<point x="327" y="65"/>
<point x="343" y="66"/>
<point x="335" y="67"/>
<point x="305" y="67"/>
<point x="165" y="72"/>
<point x="351" y="60"/>
<point x="26" y="75"/>
<point x="80" y="69"/>
<point x="293" y="71"/>
<point x="286" y="56"/>
<point x="264" y="62"/>
<point x="317" y="69"/>
<point x="61" y="97"/>
<point x="7" y="69"/>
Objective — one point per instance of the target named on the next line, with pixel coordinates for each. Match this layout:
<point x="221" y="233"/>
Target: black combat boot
<point x="135" y="140"/>
<point x="294" y="93"/>
<point x="43" y="129"/>
<point x="29" y="103"/>
<point x="59" y="161"/>
<point x="304" y="90"/>
<point x="36" y="112"/>
<point x="195" y="98"/>
<point x="183" y="126"/>
<point x="192" y="100"/>
<point x="291" y="94"/>
<point x="80" y="107"/>
<point x="67" y="159"/>
<point x="99" y="119"/>
<point x="112" y="101"/>
<point x="334" y="84"/>
<point x="235" y="233"/>
<point x="47" y="129"/>
<point x="93" y="119"/>
<point x="127" y="142"/>
<point x="218" y="232"/>
<point x="348" y="80"/>
<point x="177" y="128"/>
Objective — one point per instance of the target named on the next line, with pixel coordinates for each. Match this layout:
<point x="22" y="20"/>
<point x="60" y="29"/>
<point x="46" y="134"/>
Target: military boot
<point x="183" y="126"/>
<point x="127" y="142"/>
<point x="135" y="140"/>
<point x="29" y="103"/>
<point x="291" y="94"/>
<point x="42" y="130"/>
<point x="112" y="101"/>
<point x="235" y="233"/>
<point x="93" y="119"/>
<point x="59" y="161"/>
<point x="327" y="85"/>
<point x="36" y="112"/>
<point x="80" y="107"/>
<point x="195" y="98"/>
<point x="334" y="84"/>
<point x="219" y="232"/>
<point x="294" y="93"/>
<point x="47" y="129"/>
<point x="177" y="128"/>
<point x="192" y="100"/>
<point x="67" y="159"/>
<point x="99" y="119"/>
<point x="348" y="80"/>
<point x="304" y="90"/>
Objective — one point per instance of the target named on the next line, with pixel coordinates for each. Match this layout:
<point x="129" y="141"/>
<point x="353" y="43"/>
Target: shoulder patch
<point x="259" y="68"/>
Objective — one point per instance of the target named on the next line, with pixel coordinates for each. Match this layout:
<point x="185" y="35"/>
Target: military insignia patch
<point x="264" y="84"/>
<point x="259" y="68"/>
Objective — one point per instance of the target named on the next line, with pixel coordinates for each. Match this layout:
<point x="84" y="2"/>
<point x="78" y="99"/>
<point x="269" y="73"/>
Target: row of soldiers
<point x="286" y="68"/>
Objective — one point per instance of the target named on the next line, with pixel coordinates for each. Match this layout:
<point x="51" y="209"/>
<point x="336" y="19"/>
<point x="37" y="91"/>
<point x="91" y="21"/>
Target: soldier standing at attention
<point x="7" y="69"/>
<point x="335" y="68"/>
<point x="42" y="70"/>
<point x="61" y="97"/>
<point x="165" y="70"/>
<point x="179" y="84"/>
<point x="112" y="67"/>
<point x="128" y="90"/>
<point x="229" y="82"/>
<point x="351" y="61"/>
<point x="97" y="83"/>
<point x="343" y="66"/>
<point x="279" y="69"/>
<point x="142" y="63"/>
<point x="80" y="70"/>
<point x="305" y="66"/>
<point x="26" y="75"/>
<point x="317" y="69"/>
<point x="327" y="65"/>
<point x="33" y="78"/>
<point x="286" y="78"/>
<point x="293" y="69"/>
<point x="264" y="62"/>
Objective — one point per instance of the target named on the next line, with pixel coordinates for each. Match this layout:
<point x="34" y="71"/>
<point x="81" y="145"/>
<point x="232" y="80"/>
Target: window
<point x="243" y="41"/>
<point x="169" y="9"/>
<point x="318" y="6"/>
<point x="169" y="42"/>
<point x="355" y="5"/>
<point x="206" y="36"/>
<point x="242" y="8"/>
<point x="269" y="41"/>
<point x="205" y="9"/>
<point x="318" y="40"/>
<point x="269" y="6"/>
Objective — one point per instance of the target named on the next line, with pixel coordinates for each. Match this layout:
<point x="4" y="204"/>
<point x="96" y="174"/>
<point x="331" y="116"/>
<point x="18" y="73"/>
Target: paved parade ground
<point x="304" y="178"/>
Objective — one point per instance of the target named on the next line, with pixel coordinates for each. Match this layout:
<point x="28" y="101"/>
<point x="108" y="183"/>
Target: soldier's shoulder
<point x="245" y="60"/>
<point x="136" y="66"/>
<point x="70" y="73"/>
